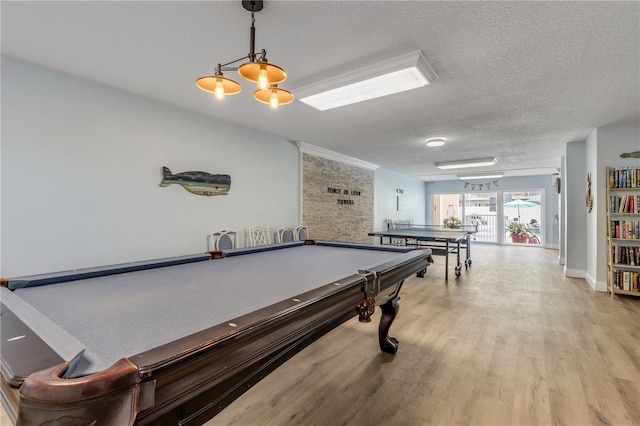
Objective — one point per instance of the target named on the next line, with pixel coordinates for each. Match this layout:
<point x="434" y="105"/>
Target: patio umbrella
<point x="520" y="204"/>
<point x="534" y="199"/>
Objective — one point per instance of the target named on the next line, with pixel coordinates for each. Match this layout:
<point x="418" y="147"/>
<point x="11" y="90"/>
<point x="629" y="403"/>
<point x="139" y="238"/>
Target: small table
<point x="177" y="340"/>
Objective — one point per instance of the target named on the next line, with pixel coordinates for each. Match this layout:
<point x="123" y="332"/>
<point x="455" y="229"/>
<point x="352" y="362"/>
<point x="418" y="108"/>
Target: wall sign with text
<point x="342" y="192"/>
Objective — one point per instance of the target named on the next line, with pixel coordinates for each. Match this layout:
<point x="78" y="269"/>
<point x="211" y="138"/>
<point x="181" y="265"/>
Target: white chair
<point x="402" y="224"/>
<point x="286" y="234"/>
<point x="259" y="236"/>
<point x="399" y="224"/>
<point x="301" y="233"/>
<point x="223" y="240"/>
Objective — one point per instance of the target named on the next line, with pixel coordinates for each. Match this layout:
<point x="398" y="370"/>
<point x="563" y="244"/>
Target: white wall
<point x="573" y="191"/>
<point x="591" y="231"/>
<point x="81" y="164"/>
<point x="386" y="185"/>
<point x="561" y="212"/>
<point x="604" y="147"/>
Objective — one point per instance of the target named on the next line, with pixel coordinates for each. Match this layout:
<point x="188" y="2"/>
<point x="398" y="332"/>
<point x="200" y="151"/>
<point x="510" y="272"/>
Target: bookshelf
<point x="623" y="230"/>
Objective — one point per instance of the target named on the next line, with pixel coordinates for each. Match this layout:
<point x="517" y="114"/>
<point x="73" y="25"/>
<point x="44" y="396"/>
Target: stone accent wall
<point x="337" y="200"/>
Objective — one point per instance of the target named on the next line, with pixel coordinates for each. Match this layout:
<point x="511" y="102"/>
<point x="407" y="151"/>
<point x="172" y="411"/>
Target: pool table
<point x="176" y="340"/>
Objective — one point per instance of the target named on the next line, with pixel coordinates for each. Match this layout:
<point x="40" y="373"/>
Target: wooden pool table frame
<point x="192" y="379"/>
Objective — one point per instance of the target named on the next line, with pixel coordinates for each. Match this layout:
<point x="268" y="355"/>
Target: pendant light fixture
<point x="257" y="70"/>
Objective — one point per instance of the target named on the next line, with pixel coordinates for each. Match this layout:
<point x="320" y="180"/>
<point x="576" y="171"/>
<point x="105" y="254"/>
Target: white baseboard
<point x="574" y="273"/>
<point x="601" y="286"/>
<point x="590" y="280"/>
<point x="595" y="284"/>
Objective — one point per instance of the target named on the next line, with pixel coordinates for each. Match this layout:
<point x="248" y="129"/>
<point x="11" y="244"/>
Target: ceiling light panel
<point x="477" y="162"/>
<point x="481" y="176"/>
<point x="395" y="75"/>
<point x="435" y="142"/>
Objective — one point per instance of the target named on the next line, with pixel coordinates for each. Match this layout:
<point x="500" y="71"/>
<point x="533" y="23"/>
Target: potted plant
<point x="519" y="232"/>
<point x="452" y="222"/>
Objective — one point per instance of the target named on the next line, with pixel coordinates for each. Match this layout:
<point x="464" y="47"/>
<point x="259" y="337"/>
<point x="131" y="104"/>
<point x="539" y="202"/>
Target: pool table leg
<point x="389" y="310"/>
<point x="422" y="272"/>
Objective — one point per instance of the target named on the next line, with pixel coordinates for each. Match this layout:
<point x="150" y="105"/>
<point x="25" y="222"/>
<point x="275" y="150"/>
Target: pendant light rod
<point x="252" y="40"/>
<point x="226" y="67"/>
<point x="252" y="6"/>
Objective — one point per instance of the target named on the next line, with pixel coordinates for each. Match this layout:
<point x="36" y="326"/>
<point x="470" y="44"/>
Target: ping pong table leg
<point x="458" y="264"/>
<point x="446" y="260"/>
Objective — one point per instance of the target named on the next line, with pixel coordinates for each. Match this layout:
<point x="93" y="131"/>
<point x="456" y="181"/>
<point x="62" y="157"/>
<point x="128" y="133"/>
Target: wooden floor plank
<point x="511" y="342"/>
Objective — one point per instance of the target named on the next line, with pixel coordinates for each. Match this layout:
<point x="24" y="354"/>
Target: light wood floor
<point x="511" y="342"/>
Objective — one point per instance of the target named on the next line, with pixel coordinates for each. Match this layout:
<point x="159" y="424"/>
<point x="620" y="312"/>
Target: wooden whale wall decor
<point x="200" y="183"/>
<point x="635" y="154"/>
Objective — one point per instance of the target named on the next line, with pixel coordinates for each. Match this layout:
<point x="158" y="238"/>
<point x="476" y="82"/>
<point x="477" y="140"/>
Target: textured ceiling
<point x="516" y="80"/>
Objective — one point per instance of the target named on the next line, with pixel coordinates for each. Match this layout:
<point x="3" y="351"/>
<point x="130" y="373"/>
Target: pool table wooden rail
<point x="195" y="377"/>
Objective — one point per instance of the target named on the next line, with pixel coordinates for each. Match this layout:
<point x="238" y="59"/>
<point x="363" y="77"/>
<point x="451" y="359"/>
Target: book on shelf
<point x="624" y="204"/>
<point x="624" y="177"/>
<point x="626" y="255"/>
<point x="626" y="280"/>
<point x="625" y="229"/>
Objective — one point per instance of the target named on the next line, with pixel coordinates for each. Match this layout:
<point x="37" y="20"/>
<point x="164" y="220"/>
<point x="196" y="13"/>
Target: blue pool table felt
<point x="125" y="314"/>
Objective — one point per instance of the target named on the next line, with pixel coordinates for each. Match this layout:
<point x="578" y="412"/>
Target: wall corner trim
<point x="306" y="148"/>
<point x="574" y="273"/>
<point x="595" y="284"/>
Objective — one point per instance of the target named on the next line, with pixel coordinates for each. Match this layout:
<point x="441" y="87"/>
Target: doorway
<point x="523" y="217"/>
<point x="497" y="216"/>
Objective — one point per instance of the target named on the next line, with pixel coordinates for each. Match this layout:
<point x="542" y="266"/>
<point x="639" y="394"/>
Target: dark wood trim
<point x="109" y="397"/>
<point x="230" y="367"/>
<point x="216" y="254"/>
<point x="48" y="385"/>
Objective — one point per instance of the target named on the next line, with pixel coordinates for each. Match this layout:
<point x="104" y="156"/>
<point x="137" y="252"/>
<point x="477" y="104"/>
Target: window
<point x="523" y="217"/>
<point x="493" y="214"/>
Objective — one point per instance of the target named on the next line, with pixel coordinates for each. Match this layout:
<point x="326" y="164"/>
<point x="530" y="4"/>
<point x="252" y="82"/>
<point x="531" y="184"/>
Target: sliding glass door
<point x="481" y="210"/>
<point x="511" y="217"/>
<point x="523" y="217"/>
<point x="477" y="209"/>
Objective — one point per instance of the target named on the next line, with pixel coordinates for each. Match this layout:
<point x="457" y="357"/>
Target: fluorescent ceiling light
<point x="460" y="164"/>
<point x="394" y="75"/>
<point x="481" y="176"/>
<point x="435" y="142"/>
<point x="377" y="87"/>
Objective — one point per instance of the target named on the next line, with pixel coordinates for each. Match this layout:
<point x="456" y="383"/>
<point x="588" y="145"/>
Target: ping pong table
<point x="441" y="241"/>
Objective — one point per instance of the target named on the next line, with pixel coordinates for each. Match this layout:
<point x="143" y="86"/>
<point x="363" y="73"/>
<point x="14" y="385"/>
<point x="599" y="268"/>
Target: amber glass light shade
<point x="273" y="96"/>
<point x="208" y="84"/>
<point x="251" y="72"/>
